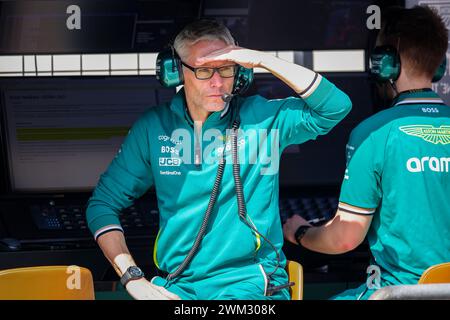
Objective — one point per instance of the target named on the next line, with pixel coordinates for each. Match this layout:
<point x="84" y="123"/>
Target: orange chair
<point x="295" y="274"/>
<point x="439" y="273"/>
<point x="47" y="283"/>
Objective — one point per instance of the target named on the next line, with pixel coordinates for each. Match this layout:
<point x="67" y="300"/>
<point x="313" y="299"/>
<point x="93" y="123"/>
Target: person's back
<point x="397" y="182"/>
<point x="409" y="148"/>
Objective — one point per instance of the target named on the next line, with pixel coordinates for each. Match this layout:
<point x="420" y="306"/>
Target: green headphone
<point x="385" y="65"/>
<point x="169" y="72"/>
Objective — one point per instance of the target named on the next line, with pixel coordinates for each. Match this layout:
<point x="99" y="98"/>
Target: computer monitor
<point x="91" y="26"/>
<point x="293" y="25"/>
<point x="60" y="133"/>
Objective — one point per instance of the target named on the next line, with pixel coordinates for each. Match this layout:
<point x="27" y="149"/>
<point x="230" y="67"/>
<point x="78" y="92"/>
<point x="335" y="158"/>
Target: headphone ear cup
<point x="168" y="68"/>
<point x="243" y="80"/>
<point x="385" y="64"/>
<point x="440" y="72"/>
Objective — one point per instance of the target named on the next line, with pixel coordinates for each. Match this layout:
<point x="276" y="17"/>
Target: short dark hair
<point x="420" y="36"/>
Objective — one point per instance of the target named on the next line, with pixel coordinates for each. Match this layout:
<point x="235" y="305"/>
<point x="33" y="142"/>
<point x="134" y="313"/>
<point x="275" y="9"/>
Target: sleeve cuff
<point x="326" y="99"/>
<point x="314" y="83"/>
<point x="352" y="209"/>
<point x="317" y="91"/>
<point x="312" y="87"/>
<point x="107" y="229"/>
<point x="103" y="224"/>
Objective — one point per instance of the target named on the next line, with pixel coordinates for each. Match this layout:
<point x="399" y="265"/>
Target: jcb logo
<point x="169" y="162"/>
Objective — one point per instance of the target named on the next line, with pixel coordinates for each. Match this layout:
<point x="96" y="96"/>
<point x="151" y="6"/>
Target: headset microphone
<point x="226" y="97"/>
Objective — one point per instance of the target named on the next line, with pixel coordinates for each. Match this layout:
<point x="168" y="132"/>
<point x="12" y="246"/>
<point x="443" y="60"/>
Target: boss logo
<point x="430" y="110"/>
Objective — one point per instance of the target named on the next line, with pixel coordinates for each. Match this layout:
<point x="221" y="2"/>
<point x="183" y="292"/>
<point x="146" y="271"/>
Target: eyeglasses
<point x="205" y="73"/>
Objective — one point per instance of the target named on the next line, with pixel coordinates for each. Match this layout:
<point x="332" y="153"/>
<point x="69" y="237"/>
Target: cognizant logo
<point x="428" y="163"/>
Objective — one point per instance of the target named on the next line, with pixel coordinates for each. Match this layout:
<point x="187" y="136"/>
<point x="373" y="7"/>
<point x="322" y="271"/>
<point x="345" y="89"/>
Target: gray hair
<point x="204" y="29"/>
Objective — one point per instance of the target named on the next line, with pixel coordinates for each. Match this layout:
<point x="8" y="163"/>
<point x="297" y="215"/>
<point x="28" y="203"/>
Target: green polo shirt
<point x="398" y="164"/>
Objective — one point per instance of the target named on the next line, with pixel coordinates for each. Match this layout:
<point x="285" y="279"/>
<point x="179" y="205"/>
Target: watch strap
<point x="300" y="233"/>
<point x="128" y="276"/>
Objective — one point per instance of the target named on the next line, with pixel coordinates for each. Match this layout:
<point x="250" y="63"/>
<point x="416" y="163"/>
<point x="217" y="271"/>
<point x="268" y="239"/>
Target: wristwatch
<point x="300" y="233"/>
<point x="132" y="273"/>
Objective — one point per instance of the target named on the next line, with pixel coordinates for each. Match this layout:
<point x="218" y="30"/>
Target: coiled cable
<point x="201" y="233"/>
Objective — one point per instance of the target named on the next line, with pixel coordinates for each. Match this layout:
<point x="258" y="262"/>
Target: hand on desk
<point x="143" y="289"/>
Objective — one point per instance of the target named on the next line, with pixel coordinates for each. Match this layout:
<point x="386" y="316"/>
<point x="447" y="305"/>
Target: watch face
<point x="135" y="272"/>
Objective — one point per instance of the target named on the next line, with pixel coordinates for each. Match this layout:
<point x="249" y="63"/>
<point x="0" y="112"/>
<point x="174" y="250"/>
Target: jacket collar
<point x="419" y="96"/>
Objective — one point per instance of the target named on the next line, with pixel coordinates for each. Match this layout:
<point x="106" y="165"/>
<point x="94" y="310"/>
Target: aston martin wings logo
<point x="429" y="133"/>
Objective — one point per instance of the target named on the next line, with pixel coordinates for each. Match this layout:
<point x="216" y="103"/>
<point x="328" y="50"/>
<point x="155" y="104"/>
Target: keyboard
<point x="73" y="217"/>
<point x="51" y="216"/>
<point x="316" y="210"/>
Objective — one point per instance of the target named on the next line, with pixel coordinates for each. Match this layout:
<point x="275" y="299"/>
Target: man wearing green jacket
<point x="396" y="187"/>
<point x="235" y="260"/>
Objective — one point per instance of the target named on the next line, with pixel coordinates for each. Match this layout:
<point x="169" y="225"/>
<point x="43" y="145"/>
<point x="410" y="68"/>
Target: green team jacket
<point x="148" y="157"/>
